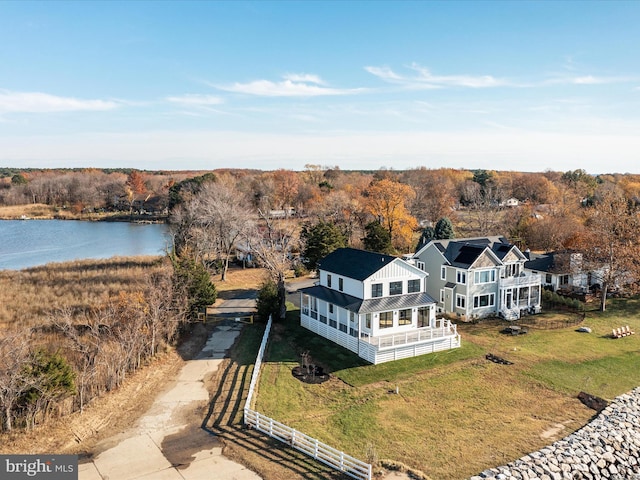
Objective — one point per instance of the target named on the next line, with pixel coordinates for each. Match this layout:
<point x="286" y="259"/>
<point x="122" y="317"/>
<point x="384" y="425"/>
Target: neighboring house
<point x="479" y="277"/>
<point x="562" y="271"/>
<point x="510" y="202"/>
<point x="376" y="306"/>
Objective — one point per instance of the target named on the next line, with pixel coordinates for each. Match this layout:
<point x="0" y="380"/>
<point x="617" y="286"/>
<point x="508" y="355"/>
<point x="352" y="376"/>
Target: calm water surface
<point x="29" y="243"/>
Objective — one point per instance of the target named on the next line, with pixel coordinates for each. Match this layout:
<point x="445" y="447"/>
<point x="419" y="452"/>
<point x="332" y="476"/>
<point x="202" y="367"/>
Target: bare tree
<point x="611" y="244"/>
<point x="274" y="244"/>
<point x="14" y="381"/>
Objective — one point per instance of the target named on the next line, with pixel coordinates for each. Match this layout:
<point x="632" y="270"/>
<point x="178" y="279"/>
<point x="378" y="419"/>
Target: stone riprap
<point x="606" y="448"/>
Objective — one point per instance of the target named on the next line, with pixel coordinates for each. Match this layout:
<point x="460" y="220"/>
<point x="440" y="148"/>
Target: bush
<point x="267" y="302"/>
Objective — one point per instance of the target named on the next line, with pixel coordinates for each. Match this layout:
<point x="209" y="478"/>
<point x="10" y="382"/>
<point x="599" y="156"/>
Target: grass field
<point x="456" y="413"/>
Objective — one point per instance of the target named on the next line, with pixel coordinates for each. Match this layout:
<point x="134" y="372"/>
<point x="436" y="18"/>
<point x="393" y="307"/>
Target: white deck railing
<point x="528" y="279"/>
<point x="321" y="452"/>
<point x="424" y="334"/>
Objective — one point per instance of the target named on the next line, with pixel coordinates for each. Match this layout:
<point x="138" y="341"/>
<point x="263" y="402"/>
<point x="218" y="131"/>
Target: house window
<point x="333" y="323"/>
<point x="353" y="332"/>
<point x="331" y="308"/>
<point x="340" y="283"/>
<point x="564" y="279"/>
<point x="376" y="290"/>
<point x="480" y="301"/>
<point x="395" y="288"/>
<point x="461" y="276"/>
<point x="461" y="301"/>
<point x="420" y="265"/>
<point x="512" y="270"/>
<point x="367" y="321"/>
<point x="343" y="328"/>
<point x="547" y="278"/>
<point x="352" y="317"/>
<point x="413" y="286"/>
<point x="442" y="296"/>
<point x="443" y="273"/>
<point x="305" y="304"/>
<point x="323" y="319"/>
<point x="386" y="319"/>
<point x="485" y="276"/>
<point x="314" y="308"/>
<point x="329" y="281"/>
<point x="404" y="317"/>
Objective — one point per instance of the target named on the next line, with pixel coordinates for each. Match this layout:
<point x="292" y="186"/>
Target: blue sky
<point x="505" y="85"/>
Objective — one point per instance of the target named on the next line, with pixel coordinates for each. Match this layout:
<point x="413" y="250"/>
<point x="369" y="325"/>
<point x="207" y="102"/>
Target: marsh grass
<point x="29" y="297"/>
<point x="456" y="413"/>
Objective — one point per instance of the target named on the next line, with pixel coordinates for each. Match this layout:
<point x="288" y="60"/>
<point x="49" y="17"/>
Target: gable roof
<point x="353" y="263"/>
<point x="463" y="252"/>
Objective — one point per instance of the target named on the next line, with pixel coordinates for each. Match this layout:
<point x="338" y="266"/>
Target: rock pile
<point x="606" y="448"/>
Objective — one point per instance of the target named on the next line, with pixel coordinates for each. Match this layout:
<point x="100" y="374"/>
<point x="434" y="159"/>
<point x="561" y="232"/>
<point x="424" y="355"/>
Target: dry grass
<point x="29" y="297"/>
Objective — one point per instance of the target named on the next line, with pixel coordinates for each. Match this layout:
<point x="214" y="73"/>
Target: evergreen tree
<point x="319" y="241"/>
<point x="444" y="229"/>
<point x="428" y="234"/>
<point x="196" y="281"/>
<point x="377" y="238"/>
<point x="268" y="301"/>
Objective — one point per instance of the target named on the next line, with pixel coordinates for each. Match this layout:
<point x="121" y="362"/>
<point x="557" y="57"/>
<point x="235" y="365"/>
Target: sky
<point x="178" y="85"/>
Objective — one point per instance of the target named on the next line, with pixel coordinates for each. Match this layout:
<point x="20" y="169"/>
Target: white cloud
<point x="424" y="79"/>
<point x="304" y="77"/>
<point x="37" y="102"/>
<point x="195" y="100"/>
<point x="292" y="85"/>
<point x="589" y="80"/>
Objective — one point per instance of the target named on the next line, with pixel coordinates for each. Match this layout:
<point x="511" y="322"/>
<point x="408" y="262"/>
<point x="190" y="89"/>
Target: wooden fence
<point x="310" y="446"/>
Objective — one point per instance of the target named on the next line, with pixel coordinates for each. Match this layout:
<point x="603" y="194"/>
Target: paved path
<point x="168" y="443"/>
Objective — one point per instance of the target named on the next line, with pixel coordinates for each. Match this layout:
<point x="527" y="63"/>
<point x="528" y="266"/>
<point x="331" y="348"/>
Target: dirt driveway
<point x="168" y="441"/>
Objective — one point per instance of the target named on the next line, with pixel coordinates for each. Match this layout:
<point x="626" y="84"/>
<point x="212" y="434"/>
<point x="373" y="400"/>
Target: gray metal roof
<point x="382" y="304"/>
<point x="395" y="302"/>
<point x="333" y="296"/>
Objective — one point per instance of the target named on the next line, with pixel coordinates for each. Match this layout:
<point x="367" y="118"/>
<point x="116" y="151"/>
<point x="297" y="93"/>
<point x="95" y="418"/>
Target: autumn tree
<point x="387" y="200"/>
<point x="435" y="193"/>
<point x="134" y="187"/>
<point x="611" y="245"/>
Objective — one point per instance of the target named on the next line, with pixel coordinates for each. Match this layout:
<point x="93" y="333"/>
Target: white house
<point x="376" y="306"/>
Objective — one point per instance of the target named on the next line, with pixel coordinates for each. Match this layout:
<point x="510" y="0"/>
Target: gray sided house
<point x="479" y="277"/>
<point x="376" y="306"/>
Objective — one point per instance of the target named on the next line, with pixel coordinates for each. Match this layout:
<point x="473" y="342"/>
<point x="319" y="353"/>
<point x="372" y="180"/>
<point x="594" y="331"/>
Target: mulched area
<point x="316" y="375"/>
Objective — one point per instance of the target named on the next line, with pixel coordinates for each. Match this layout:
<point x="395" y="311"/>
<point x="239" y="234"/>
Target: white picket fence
<point x="310" y="446"/>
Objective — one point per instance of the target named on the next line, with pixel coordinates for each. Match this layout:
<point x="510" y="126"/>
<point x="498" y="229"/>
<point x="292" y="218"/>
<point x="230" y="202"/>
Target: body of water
<point x="29" y="243"/>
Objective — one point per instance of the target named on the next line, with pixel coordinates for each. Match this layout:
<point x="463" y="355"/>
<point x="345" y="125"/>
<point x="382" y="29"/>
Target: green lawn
<point x="456" y="413"/>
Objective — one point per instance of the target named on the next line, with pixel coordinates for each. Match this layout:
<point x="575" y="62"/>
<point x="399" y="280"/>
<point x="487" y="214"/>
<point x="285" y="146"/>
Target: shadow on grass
<point x="251" y="448"/>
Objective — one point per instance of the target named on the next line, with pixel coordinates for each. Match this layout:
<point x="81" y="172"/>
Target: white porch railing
<point x="424" y="334"/>
<point x="321" y="452"/>
<point x="529" y="279"/>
